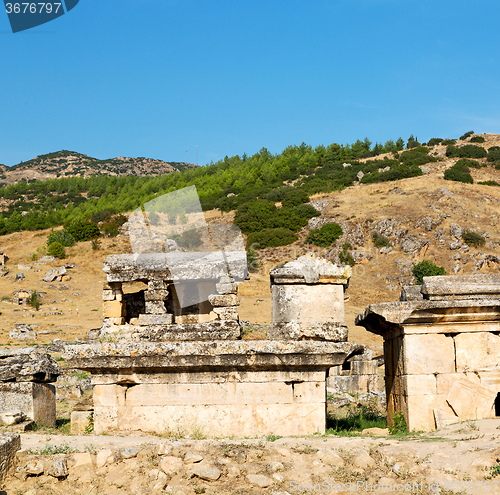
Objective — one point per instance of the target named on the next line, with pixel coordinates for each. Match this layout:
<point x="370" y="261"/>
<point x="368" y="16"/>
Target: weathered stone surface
<point x="260" y="480"/>
<point x="217" y="354"/>
<point x="21" y="331"/>
<point x="224" y="300"/>
<point x="113" y="309"/>
<point x="10" y="443"/>
<point x="207" y="474"/>
<point x="9" y="418"/>
<point x="411" y="293"/>
<point x="156" y="295"/>
<point x="333" y="332"/>
<point x="428" y="354"/>
<point x="156" y="307"/>
<point x="79" y="422"/>
<point x="192" y="458"/>
<point x="162" y="319"/>
<point x="53" y="273"/>
<point x="310" y="269"/>
<point x="171" y="465"/>
<point x="471" y="401"/>
<point x="477" y="351"/>
<point x="413" y="244"/>
<point x="213" y="330"/>
<point x="307" y="304"/>
<point x="455" y="230"/>
<point x="25" y="365"/>
<point x="479" y="286"/>
<point x="176" y="266"/>
<point x="59" y="468"/>
<point x="227" y="313"/>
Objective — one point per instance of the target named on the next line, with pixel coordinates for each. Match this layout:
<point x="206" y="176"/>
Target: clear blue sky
<point x="153" y="77"/>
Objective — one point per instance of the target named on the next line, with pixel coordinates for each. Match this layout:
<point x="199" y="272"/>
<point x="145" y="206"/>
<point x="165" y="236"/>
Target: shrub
<point x="306" y="211"/>
<point x="467" y="151"/>
<point x="102" y="215"/>
<point x="447" y="142"/>
<point x="459" y="173"/>
<point x="295" y="197"/>
<point x="477" y="139"/>
<point x="33" y="301"/>
<point x="110" y="228"/>
<point x="466" y="135"/>
<point x="380" y="240"/>
<point x="426" y="269"/>
<point x="473" y="239"/>
<point x="434" y="141"/>
<point x="271" y="238"/>
<point x="61" y="236"/>
<point x="493" y="154"/>
<point x="83" y="230"/>
<point x="467" y="162"/>
<point x="255" y="216"/>
<point x="345" y="256"/>
<point x="56" y="249"/>
<point x="489" y="183"/>
<point x="325" y="236"/>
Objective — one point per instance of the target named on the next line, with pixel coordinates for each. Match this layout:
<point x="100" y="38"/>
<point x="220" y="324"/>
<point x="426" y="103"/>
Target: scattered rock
<point x="59" y="468"/>
<point x="19" y="277"/>
<point x="456" y="231"/>
<point x="260" y="480"/>
<point x="192" y="458"/>
<point x="212" y="474"/>
<point x="171" y="465"/>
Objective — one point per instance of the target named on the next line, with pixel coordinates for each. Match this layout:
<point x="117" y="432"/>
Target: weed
<point x="493" y="472"/>
<point x="272" y="437"/>
<point x="399" y="425"/>
<point x="90" y="427"/>
<point x="53" y="450"/>
<point x="81" y="375"/>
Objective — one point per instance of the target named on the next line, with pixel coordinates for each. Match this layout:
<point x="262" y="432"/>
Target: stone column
<point x="156" y="311"/>
<point x="114" y="309"/>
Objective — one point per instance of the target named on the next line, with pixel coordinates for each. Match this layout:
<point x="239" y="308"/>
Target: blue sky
<point x="154" y="77"/>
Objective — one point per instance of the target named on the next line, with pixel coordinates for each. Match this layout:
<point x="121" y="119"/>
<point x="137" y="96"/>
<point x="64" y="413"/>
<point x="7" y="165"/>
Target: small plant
<point x="345" y="256"/>
<point x="272" y="438"/>
<point x="477" y="139"/>
<point x="96" y="244"/>
<point x="494" y="471"/>
<point x="53" y="450"/>
<point x="33" y="301"/>
<point x="325" y="236"/>
<point x="380" y="240"/>
<point x="426" y="269"/>
<point x="61" y="236"/>
<point x="466" y="135"/>
<point x="90" y="427"/>
<point x="399" y="424"/>
<point x="473" y="239"/>
<point x="81" y="375"/>
<point x="57" y="249"/>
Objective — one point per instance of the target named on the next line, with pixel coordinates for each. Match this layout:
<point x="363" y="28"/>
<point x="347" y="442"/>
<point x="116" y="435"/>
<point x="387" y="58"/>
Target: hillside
<point x="72" y="164"/>
<point x="421" y="216"/>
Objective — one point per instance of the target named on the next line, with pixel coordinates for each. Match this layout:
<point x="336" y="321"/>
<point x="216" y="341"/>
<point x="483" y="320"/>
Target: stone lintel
<point x="327" y="331"/>
<point x="154" y="357"/>
<point x="176" y="266"/>
<point x="463" y="287"/>
<point x="386" y="318"/>
<point x="213" y="330"/>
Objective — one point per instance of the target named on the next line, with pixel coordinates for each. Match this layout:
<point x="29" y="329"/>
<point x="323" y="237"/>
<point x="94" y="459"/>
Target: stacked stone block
<point x="114" y="309"/>
<point x="10" y="443"/>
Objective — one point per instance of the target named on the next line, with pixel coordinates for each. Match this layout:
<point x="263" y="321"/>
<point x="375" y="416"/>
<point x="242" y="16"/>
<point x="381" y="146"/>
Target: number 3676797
<point x="33" y="8"/>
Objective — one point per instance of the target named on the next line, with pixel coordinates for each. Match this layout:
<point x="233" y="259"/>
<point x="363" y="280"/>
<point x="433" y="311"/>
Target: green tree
<point x="426" y="269"/>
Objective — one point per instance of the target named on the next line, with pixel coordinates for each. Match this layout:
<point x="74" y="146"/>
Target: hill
<point x="72" y="164"/>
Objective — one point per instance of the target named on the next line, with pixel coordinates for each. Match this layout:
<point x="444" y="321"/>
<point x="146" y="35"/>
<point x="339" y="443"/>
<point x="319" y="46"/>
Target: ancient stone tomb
<point x="171" y="367"/>
<point x="442" y="348"/>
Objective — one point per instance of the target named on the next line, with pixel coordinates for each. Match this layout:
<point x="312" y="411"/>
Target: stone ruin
<point x="27" y="392"/>
<point x="441" y="348"/>
<point x="168" y="367"/>
<point x="10" y="443"/>
<point x="23" y="296"/>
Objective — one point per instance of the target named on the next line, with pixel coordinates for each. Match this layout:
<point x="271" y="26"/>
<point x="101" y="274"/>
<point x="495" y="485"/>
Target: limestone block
<point x="155" y="307"/>
<point x="477" y="351"/>
<point x="227" y="313"/>
<point x="428" y="354"/>
<point x="9" y="418"/>
<point x="307" y="304"/>
<point x="36" y="400"/>
<point x="216" y="420"/>
<point x="209" y="377"/>
<point x="79" y="422"/>
<point x="156" y="295"/>
<point x="216" y="393"/>
<point x="226" y="288"/>
<point x="108" y="295"/>
<point x="165" y="319"/>
<point x="472" y="401"/>
<point x="419" y="384"/>
<point x="490" y="378"/>
<point x="445" y="418"/>
<point x="224" y="300"/>
<point x="445" y="381"/>
<point x="113" y="309"/>
<point x="333" y="332"/>
<point x="109" y="395"/>
<point x="157" y="285"/>
<point x="117" y="321"/>
<point x="420" y="411"/>
<point x="10" y="443"/>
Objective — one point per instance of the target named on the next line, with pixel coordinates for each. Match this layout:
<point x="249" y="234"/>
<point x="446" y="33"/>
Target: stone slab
<point x="216" y="420"/>
<point x="307" y="304"/>
<point x="420" y="384"/>
<point x="27" y="364"/>
<point x="477" y="351"/>
<point x="209" y="377"/>
<point x="428" y="354"/>
<point x="210" y="355"/>
<point x="176" y="266"/>
<point x="163" y="319"/>
<point x="332" y="332"/>
<point x="113" y="309"/>
<point x="478" y="286"/>
<point x="219" y="300"/>
<point x="470" y="400"/>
